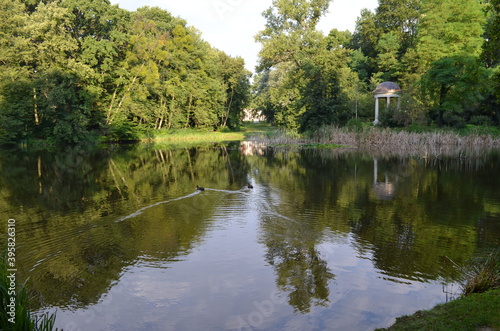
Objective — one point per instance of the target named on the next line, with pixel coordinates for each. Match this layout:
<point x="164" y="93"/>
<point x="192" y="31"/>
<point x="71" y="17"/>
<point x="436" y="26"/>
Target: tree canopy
<point x="441" y="52"/>
<point x="72" y="69"/>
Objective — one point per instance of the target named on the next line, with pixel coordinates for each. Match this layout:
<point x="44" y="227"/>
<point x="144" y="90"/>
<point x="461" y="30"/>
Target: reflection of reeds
<point x="432" y="144"/>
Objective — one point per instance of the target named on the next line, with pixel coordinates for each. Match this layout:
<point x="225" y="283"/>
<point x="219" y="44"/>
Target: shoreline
<point x="478" y="311"/>
<point x="374" y="140"/>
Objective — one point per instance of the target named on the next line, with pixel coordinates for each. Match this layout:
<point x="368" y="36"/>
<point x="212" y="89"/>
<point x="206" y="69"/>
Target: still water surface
<point x="326" y="240"/>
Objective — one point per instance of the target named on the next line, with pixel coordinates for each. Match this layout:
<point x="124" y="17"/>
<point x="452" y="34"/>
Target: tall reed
<point x="391" y="141"/>
<point x="22" y="319"/>
<point x="482" y="275"/>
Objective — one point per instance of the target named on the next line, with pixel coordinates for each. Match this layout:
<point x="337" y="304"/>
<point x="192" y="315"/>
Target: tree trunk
<point x="110" y="116"/>
<point x="189" y="110"/>
<point x="169" y="118"/>
<point x="442" y="95"/>
<point x="228" y="108"/>
<point x="35" y="108"/>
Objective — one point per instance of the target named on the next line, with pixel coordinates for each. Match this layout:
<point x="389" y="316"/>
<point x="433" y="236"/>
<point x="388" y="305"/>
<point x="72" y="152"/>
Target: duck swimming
<point x="250" y="185"/>
<point x="199" y="188"/>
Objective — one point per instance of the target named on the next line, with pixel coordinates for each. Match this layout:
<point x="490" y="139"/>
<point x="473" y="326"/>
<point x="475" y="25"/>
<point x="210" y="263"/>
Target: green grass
<point x="251" y="129"/>
<point x="469" y="129"/>
<point x="479" y="311"/>
<point x="197" y="135"/>
<point x="478" y="308"/>
<point x="191" y="135"/>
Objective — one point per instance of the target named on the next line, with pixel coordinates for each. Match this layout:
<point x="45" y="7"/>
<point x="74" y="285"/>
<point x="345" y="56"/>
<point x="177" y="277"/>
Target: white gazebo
<point x="386" y="90"/>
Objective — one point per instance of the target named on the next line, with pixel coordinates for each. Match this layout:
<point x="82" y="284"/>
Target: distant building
<point x="252" y="115"/>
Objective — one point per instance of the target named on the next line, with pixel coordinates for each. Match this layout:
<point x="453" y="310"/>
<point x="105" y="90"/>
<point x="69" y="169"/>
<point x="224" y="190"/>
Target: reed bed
<point x="481" y="274"/>
<point x="387" y="141"/>
<point x="279" y="137"/>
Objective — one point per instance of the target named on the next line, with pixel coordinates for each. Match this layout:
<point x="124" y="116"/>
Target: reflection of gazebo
<point x="383" y="190"/>
<point x="386" y="90"/>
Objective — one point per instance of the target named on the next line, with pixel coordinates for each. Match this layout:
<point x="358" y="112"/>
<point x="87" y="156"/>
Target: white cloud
<point x="230" y="25"/>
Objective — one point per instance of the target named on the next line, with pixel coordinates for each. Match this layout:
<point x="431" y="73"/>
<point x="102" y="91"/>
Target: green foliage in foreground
<point x="473" y="312"/>
<point x="19" y="318"/>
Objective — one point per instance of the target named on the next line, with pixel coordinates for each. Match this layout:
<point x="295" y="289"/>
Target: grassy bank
<point x="479" y="311"/>
<point x="194" y="136"/>
<point x="190" y="135"/>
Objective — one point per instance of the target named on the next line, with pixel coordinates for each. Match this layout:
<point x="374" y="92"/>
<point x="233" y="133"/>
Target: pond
<point x="119" y="239"/>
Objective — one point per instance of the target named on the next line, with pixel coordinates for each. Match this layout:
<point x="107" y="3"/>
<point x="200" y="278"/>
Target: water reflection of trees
<point x="439" y="211"/>
<point x="66" y="204"/>
<point x="299" y="268"/>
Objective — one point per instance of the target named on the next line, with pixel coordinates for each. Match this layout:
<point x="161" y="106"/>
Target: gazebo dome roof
<point x="387" y="88"/>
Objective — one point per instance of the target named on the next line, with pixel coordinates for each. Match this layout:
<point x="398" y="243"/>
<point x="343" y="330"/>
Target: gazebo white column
<point x="388" y="97"/>
<point x="386" y="90"/>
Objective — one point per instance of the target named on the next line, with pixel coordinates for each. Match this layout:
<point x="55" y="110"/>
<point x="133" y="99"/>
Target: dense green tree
<point x="400" y="18"/>
<point x="290" y="31"/>
<point x="70" y="68"/>
<point x="236" y="81"/>
<point x="276" y="93"/>
<point x="145" y="52"/>
<point x="491" y="45"/>
<point x="388" y="63"/>
<point x="449" y="28"/>
<point x="491" y="56"/>
<point x="13" y="79"/>
<point x="366" y="34"/>
<point x="449" y="38"/>
<point x="306" y="75"/>
<point x="101" y="32"/>
<point x="455" y="85"/>
<point x="13" y="42"/>
<point x="330" y="84"/>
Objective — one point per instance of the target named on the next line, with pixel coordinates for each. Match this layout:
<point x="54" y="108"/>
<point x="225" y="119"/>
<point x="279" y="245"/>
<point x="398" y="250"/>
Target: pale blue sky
<point x="230" y="25"/>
